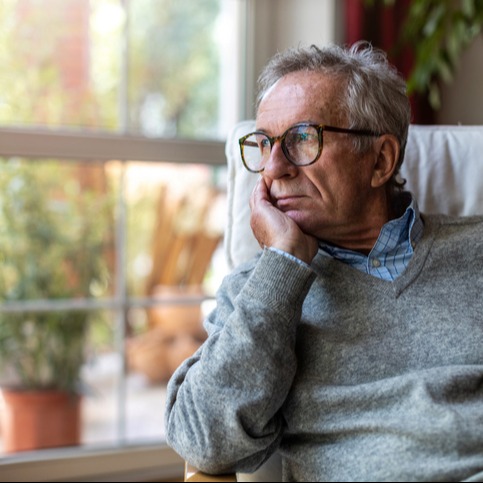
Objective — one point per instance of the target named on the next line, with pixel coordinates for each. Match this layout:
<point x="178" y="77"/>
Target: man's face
<point x="330" y="199"/>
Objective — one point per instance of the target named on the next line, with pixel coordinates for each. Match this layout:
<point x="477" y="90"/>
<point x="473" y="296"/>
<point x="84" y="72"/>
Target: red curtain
<point x="382" y="26"/>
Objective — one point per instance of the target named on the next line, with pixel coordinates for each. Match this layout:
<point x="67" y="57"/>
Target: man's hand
<point x="273" y="228"/>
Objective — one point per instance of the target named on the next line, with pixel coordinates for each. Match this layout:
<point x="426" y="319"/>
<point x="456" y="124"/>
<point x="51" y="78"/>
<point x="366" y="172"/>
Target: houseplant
<point x="53" y="238"/>
<point x="438" y="32"/>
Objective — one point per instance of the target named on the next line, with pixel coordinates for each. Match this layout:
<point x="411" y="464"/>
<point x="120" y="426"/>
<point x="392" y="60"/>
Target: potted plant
<point x="438" y="33"/>
<point x="53" y="238"/>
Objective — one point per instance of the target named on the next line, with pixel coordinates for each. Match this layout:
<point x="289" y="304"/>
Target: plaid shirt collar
<point x="394" y="248"/>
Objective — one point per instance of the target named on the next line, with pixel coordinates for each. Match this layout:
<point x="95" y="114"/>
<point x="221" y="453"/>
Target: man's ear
<point x="388" y="151"/>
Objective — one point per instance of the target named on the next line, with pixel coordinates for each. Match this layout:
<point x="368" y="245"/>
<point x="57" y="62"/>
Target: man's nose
<point x="278" y="166"/>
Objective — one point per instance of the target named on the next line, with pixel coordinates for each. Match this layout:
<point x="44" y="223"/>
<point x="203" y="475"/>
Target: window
<point x="112" y="119"/>
<point x="156" y="68"/>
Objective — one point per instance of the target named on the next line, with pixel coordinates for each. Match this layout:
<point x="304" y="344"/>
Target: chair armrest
<point x="193" y="474"/>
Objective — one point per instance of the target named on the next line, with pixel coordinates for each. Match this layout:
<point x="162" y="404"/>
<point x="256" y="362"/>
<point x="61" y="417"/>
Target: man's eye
<point x="264" y="143"/>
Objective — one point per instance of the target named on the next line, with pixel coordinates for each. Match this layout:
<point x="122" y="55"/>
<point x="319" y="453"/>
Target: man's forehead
<point x="301" y="96"/>
<point x="303" y="84"/>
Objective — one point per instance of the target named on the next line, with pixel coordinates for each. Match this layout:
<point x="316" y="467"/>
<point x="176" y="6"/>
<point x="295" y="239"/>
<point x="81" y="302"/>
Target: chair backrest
<point x="443" y="167"/>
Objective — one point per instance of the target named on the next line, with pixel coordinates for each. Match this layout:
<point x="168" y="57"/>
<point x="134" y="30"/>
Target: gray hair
<point x="375" y="95"/>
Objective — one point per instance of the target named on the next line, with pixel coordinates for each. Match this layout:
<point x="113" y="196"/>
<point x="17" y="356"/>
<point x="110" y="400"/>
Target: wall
<point x="275" y="25"/>
<point x="462" y="100"/>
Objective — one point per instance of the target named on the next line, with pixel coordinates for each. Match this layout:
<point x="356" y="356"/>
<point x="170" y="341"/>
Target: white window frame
<point x="43" y="143"/>
<point x="122" y="461"/>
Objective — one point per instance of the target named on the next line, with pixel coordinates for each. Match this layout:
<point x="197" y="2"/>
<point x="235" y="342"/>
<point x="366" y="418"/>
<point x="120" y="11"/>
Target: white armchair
<point x="443" y="168"/>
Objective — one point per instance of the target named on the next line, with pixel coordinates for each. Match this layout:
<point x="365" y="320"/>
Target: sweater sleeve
<point x="224" y="404"/>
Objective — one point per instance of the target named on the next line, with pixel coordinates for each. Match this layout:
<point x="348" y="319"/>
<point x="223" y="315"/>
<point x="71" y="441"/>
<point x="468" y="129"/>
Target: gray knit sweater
<point x="348" y="377"/>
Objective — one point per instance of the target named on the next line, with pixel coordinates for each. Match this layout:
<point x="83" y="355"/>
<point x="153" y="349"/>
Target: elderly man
<point x="353" y="345"/>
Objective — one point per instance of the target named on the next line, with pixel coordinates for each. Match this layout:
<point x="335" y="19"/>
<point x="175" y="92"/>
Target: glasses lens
<point x="256" y="151"/>
<point x="302" y="145"/>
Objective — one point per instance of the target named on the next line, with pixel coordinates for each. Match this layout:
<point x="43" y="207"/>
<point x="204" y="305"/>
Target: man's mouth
<point x="284" y="202"/>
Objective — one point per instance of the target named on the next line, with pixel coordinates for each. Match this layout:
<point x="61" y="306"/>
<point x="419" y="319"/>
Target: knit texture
<point x="348" y="377"/>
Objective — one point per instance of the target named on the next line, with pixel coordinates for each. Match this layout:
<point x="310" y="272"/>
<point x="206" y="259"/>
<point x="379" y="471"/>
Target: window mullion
<point x="97" y="147"/>
<point x="124" y="109"/>
<point x="122" y="296"/>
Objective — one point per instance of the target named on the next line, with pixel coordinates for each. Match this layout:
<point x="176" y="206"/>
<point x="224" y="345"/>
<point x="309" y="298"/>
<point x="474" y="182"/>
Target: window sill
<point x="126" y="464"/>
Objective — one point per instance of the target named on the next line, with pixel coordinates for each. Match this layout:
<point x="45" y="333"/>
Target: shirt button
<point x="376" y="263"/>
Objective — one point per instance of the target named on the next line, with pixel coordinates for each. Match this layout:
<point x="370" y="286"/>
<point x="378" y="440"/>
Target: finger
<point x="257" y="194"/>
<point x="255" y="189"/>
<point x="260" y="194"/>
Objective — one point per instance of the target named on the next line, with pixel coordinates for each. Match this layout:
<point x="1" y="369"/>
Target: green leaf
<point x="434" y="96"/>
<point x="445" y="70"/>
<point x="433" y="22"/>
<point x="453" y="48"/>
<point x="468" y="7"/>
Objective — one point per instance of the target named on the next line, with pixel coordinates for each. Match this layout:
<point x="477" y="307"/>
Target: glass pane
<point x="64" y="65"/>
<point x="145" y="381"/>
<point x="60" y="63"/>
<point x="176" y="223"/>
<point x="49" y="352"/>
<point x="56" y="230"/>
<point x="154" y="350"/>
<point x="57" y="245"/>
<point x="181" y="56"/>
<point x="102" y="375"/>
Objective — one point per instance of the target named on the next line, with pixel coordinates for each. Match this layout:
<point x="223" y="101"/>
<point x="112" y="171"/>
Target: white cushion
<point x="240" y="244"/>
<point x="443" y="168"/>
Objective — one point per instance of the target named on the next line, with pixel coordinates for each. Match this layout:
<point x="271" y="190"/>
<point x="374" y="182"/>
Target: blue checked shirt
<point x="393" y="250"/>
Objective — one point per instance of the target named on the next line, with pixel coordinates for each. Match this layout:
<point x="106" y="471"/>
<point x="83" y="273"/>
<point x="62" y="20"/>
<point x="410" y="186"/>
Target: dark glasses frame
<point x="320" y="128"/>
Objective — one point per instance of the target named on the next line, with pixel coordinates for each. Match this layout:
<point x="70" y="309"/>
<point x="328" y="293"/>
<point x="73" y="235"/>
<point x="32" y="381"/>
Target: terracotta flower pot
<point x="40" y="419"/>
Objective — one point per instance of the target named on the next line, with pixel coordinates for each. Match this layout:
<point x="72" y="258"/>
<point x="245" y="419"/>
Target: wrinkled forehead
<point x="303" y="96"/>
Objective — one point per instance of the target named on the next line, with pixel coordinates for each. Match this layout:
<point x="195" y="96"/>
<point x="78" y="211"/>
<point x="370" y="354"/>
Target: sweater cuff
<point x="288" y="255"/>
<point x="280" y="281"/>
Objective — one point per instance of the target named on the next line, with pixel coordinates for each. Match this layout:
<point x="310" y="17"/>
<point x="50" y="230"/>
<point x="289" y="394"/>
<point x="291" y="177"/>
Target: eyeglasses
<point x="302" y="145"/>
